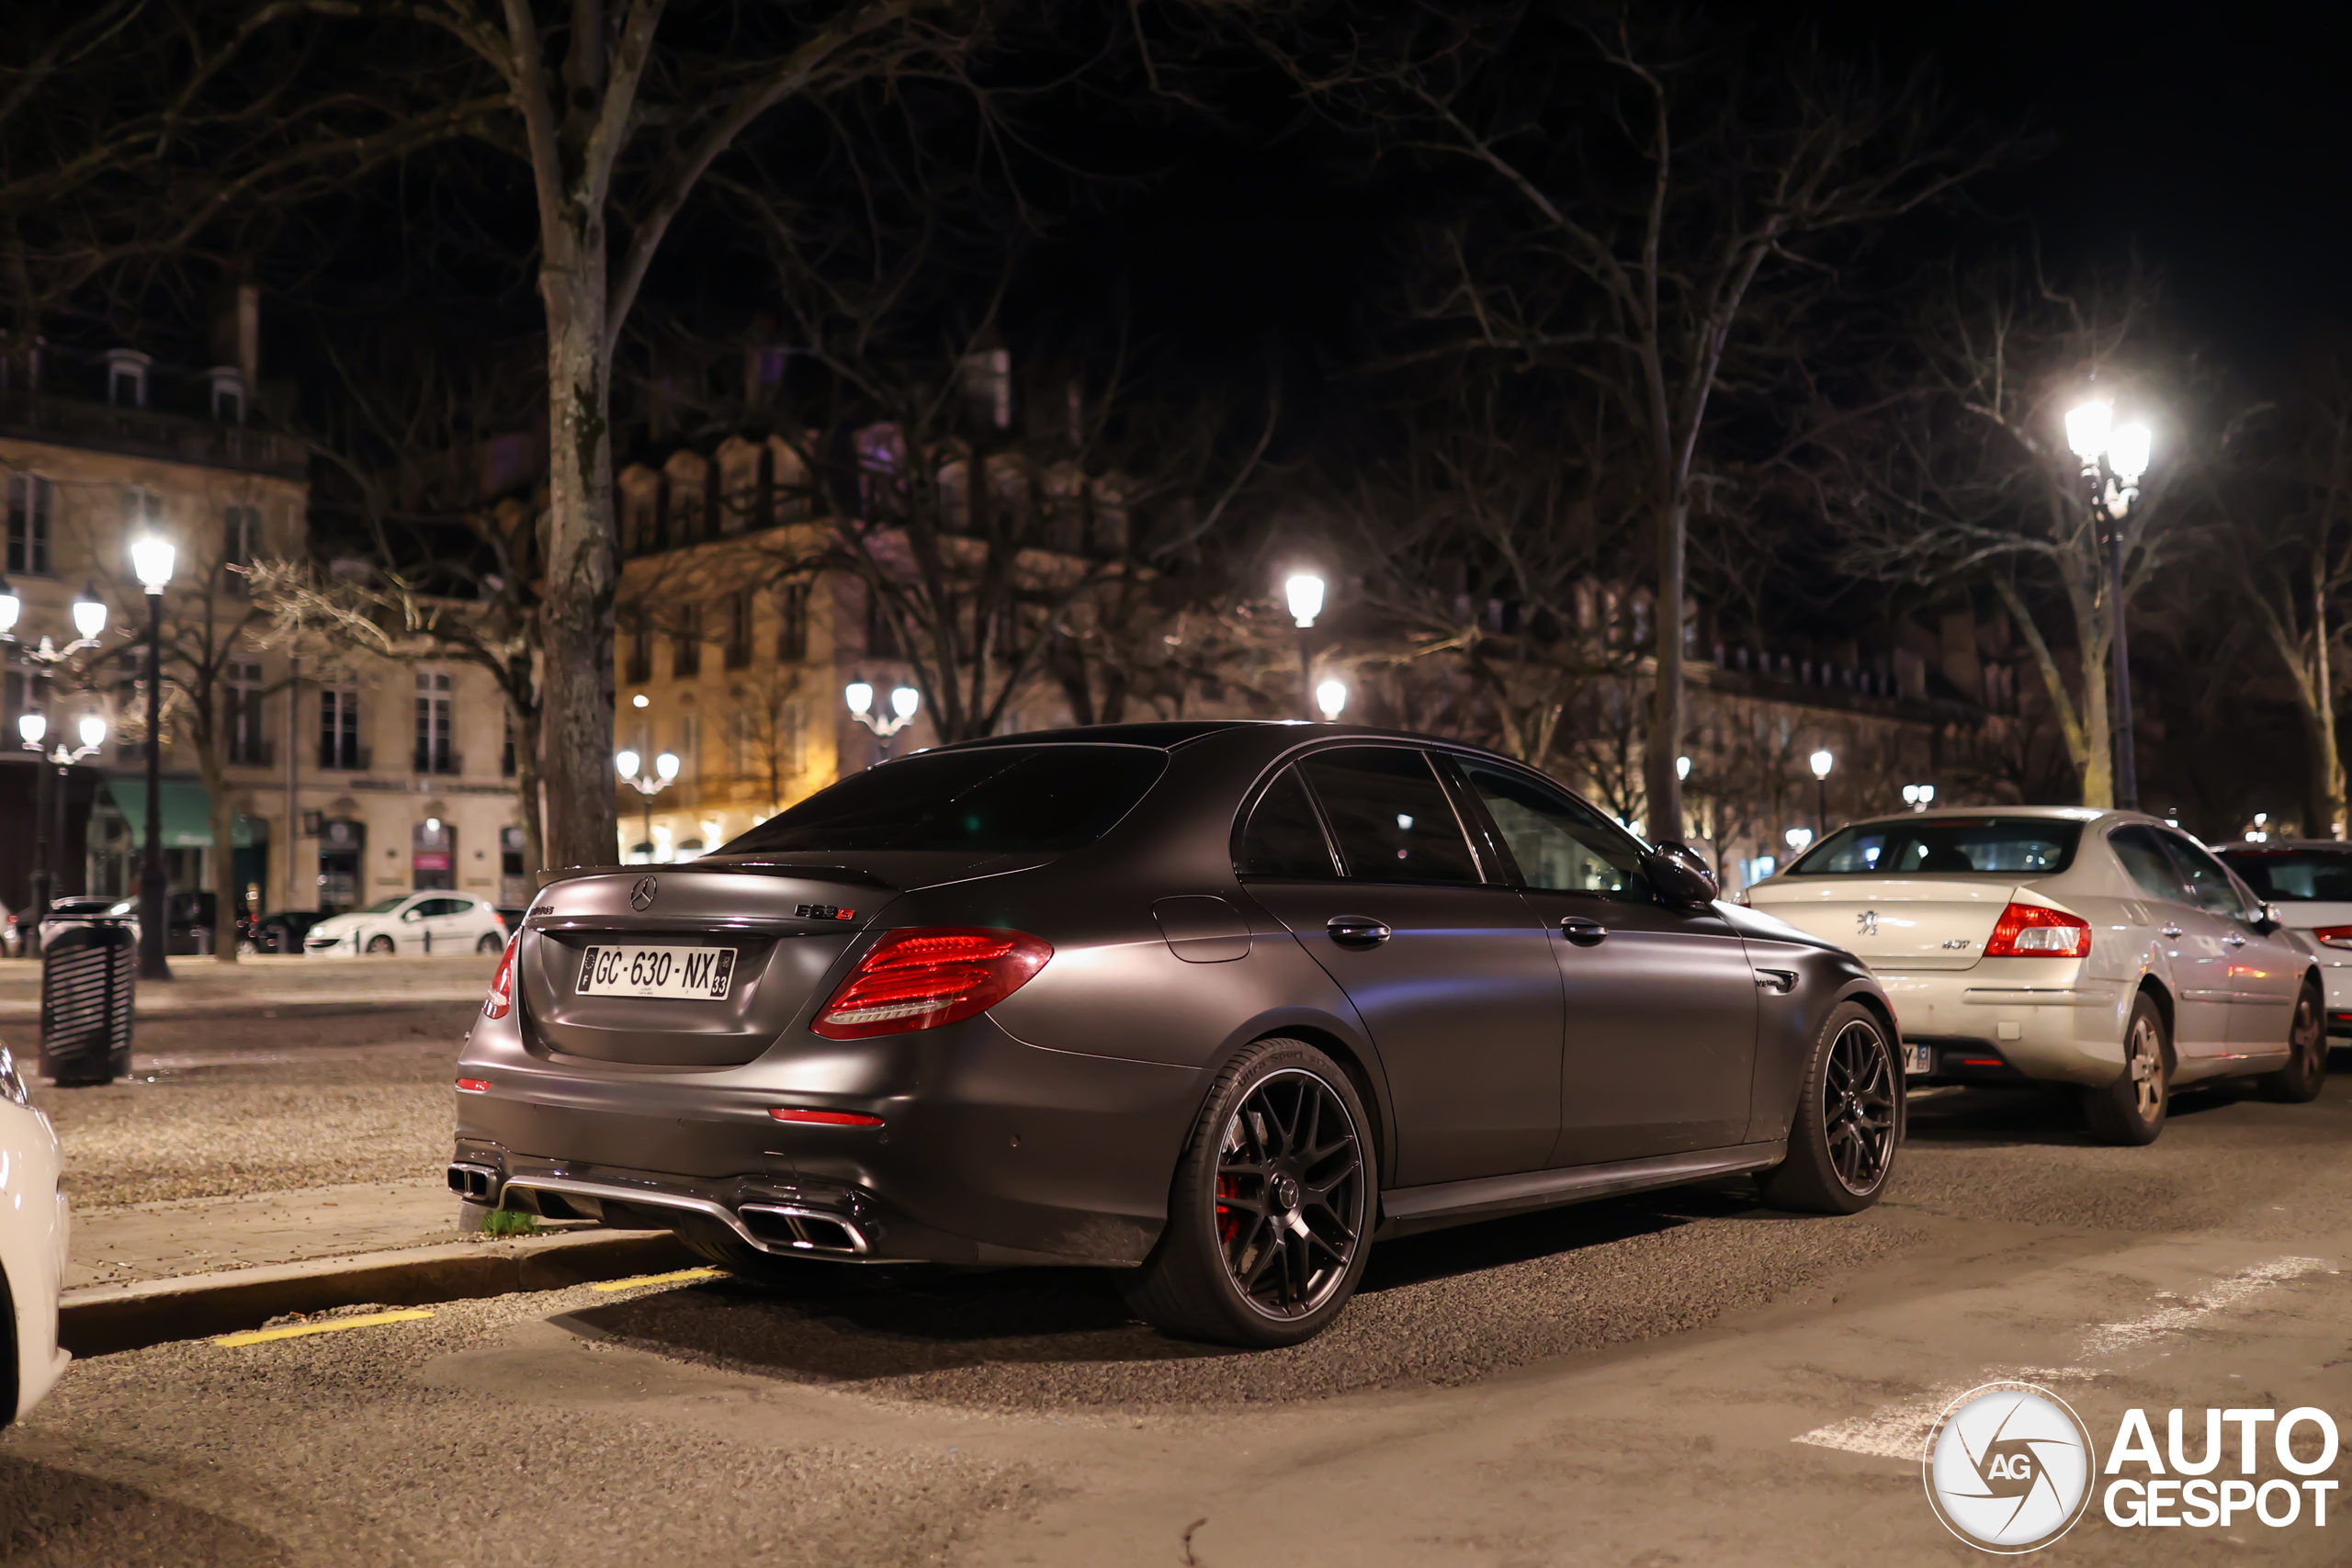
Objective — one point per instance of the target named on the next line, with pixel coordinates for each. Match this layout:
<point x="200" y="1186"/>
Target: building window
<point x="640" y="648"/>
<point x="792" y="622"/>
<point x="689" y="745"/>
<point x="433" y="702"/>
<point x="339" y="730"/>
<point x="739" y="629"/>
<point x="32" y="513"/>
<point x="239" y="543"/>
<point x="241" y="714"/>
<point x="764" y="497"/>
<point x="143" y="510"/>
<point x="685" y="643"/>
<point x="506" y="750"/>
<point x="126" y="377"/>
<point x="228" y="396"/>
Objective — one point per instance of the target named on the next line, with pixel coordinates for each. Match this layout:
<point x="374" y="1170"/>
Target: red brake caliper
<point x="1228" y="1223"/>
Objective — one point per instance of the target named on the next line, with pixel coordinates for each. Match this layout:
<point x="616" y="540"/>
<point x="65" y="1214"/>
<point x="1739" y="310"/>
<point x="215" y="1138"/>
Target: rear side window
<point x="991" y="800"/>
<point x="2294" y="877"/>
<point x="2146" y="864"/>
<point x="1955" y="846"/>
<point x="2209" y="882"/>
<point x="1390" y="815"/>
<point x="1282" y="838"/>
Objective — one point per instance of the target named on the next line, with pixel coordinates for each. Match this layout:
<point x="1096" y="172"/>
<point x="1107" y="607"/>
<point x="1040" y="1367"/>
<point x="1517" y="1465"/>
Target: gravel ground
<point x="226" y="1108"/>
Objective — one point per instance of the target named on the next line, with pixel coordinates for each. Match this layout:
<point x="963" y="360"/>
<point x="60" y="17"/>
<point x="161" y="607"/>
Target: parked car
<point x="1211" y="1004"/>
<point x="2063" y="945"/>
<point x="34" y="1224"/>
<point x="428" y="920"/>
<point x="283" y="931"/>
<point x="2308" y="883"/>
<point x="12" y="941"/>
<point x="84" y="906"/>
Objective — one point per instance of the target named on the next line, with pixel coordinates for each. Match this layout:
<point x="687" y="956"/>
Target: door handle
<point x="2234" y="940"/>
<point x="1583" y="933"/>
<point x="1357" y="929"/>
<point x="2173" y="931"/>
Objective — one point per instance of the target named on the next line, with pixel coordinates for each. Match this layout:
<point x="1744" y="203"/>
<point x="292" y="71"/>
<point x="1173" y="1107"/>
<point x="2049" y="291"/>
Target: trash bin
<point x="88" y="970"/>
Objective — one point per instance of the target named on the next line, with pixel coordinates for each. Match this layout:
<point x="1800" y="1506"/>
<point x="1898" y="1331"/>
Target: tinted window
<point x="1283" y="839"/>
<point x="997" y="800"/>
<point x="1957" y="846"/>
<point x="1559" y="844"/>
<point x="2145" y="858"/>
<point x="1390" y="816"/>
<point x="2294" y="877"/>
<point x="2209" y="882"/>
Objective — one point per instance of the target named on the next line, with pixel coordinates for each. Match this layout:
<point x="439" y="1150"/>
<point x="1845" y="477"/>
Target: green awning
<point x="188" y="815"/>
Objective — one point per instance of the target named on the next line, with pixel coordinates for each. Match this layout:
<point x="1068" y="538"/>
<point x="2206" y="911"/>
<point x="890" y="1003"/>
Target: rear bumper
<point x="991" y="1151"/>
<point x="35" y="1228"/>
<point x="2070" y="1033"/>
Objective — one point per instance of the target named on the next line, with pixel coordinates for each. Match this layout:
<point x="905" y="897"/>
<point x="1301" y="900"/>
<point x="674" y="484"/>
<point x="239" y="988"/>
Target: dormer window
<point x="126" y="377"/>
<point x="227" y="394"/>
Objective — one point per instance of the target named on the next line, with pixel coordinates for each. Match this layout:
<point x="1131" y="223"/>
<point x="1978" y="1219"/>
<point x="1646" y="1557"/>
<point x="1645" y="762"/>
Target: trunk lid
<point x="1892" y="922"/>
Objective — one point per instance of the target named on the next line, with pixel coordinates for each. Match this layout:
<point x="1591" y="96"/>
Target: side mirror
<point x="2269" y="920"/>
<point x="410" y="914"/>
<point x="1681" y="876"/>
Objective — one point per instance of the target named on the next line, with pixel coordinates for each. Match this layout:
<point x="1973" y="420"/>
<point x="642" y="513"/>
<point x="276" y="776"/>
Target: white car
<point x="429" y="921"/>
<point x="2061" y="944"/>
<point x="34" y="1227"/>
<point x="2309" y="883"/>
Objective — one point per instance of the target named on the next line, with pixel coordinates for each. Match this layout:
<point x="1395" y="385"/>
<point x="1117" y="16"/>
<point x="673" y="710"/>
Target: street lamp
<point x="1331" y="696"/>
<point x="666" y="769"/>
<point x="89" y="621"/>
<point x="32" y="730"/>
<point x="2114" y="457"/>
<point x="152" y="557"/>
<point x="1304" y="590"/>
<point x="1800" y="839"/>
<point x="1919" y="797"/>
<point x="1682" y="768"/>
<point x="1822" y="762"/>
<point x="905" y="702"/>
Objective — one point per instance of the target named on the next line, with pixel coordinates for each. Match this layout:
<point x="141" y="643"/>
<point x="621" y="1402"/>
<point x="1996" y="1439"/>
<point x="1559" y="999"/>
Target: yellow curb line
<point x="335" y="1326"/>
<point x="681" y="1276"/>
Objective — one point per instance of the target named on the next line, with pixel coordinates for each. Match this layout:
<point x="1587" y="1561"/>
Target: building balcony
<point x="145" y="433"/>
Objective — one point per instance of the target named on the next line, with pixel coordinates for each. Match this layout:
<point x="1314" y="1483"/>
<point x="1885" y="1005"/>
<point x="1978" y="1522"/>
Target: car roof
<point x="2281" y="846"/>
<point x="1164" y="733"/>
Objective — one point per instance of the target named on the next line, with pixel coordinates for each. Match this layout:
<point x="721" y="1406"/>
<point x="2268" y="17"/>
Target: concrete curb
<point x="107" y="1318"/>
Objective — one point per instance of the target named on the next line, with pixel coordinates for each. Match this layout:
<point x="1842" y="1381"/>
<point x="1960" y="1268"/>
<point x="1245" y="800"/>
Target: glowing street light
<point x="1919" y="797"/>
<point x="151" y="558"/>
<point x="1822" y="762"/>
<point x="1304" y="592"/>
<point x="905" y="702"/>
<point x="1800" y="839"/>
<point x="1331" y="696"/>
<point x="2114" y="458"/>
<point x="666" y="769"/>
<point x="32" y="732"/>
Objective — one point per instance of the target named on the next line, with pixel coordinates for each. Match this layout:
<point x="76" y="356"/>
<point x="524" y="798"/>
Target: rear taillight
<point x="823" y="1118"/>
<point x="473" y="1086"/>
<point x="2334" y="936"/>
<point x="2035" y="931"/>
<point x="927" y="975"/>
<point x="501" y="1001"/>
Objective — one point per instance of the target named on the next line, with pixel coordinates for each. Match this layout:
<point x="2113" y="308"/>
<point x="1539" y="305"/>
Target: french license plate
<point x="1919" y="1059"/>
<point x="699" y="974"/>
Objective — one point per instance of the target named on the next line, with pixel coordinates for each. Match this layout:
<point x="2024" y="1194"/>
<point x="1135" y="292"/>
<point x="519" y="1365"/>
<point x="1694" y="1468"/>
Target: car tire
<point x="1271" y="1212"/>
<point x="1850" y="1119"/>
<point x="2130" y="1111"/>
<point x="2305" y="1074"/>
<point x="491" y="943"/>
<point x="380" y="944"/>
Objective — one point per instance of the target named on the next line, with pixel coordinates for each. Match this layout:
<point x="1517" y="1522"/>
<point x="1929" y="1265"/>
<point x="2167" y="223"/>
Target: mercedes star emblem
<point x="641" y="895"/>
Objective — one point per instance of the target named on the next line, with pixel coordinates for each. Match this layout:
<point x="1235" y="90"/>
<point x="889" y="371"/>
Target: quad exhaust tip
<point x="476" y="1183"/>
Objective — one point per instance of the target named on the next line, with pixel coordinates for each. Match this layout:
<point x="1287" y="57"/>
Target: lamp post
<point x="665" y="768"/>
<point x="89" y="621"/>
<point x="905" y="702"/>
<point x="2113" y="459"/>
<point x="32" y="730"/>
<point x="151" y="558"/>
<point x="1822" y="762"/>
<point x="1304" y="590"/>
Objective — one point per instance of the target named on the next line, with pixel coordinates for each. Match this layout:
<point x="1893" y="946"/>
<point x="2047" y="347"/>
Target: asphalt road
<point x="1683" y="1379"/>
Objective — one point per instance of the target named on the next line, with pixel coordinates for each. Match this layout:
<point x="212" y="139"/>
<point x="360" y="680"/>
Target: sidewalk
<point x="270" y="984"/>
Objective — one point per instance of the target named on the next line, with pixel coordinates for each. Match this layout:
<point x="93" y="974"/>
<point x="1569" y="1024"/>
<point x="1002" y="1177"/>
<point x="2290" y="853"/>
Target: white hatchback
<point x="2060" y="944"/>
<point x="2309" y="883"/>
<point x="429" y="921"/>
<point x="34" y="1229"/>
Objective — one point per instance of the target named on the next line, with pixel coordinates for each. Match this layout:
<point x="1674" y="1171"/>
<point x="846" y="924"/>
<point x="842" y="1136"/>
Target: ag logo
<point x="641" y="895"/>
<point x="2009" y="1467"/>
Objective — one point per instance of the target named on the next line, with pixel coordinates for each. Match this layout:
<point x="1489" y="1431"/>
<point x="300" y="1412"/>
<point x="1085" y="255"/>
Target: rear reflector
<point x="2334" y="936"/>
<point x="2036" y="930"/>
<point x="823" y="1118"/>
<point x="473" y="1086"/>
<point x="926" y="975"/>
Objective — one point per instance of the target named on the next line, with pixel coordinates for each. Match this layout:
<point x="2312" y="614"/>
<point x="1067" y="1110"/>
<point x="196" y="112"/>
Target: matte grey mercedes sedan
<point x="1212" y="1004"/>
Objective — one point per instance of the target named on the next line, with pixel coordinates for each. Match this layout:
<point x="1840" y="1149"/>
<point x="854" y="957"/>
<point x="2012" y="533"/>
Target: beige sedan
<point x="2061" y="944"/>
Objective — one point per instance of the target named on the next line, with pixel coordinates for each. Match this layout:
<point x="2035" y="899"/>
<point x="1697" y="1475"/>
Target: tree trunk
<point x="527" y="789"/>
<point x="225" y="892"/>
<point x="576" y="613"/>
<point x="2327" y="760"/>
<point x="1661" y="781"/>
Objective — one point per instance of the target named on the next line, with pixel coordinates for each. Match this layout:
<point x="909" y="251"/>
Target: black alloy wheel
<point x="2305" y="1074"/>
<point x="1270" y="1212"/>
<point x="1849" y="1121"/>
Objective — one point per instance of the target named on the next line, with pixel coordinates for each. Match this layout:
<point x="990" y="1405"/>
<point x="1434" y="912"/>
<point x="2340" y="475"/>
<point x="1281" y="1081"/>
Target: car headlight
<point x="12" y="1082"/>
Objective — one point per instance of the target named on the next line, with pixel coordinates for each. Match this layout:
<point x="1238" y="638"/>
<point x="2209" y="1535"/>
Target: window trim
<point x="1429" y="755"/>
<point x="1640" y="892"/>
<point x="1257" y="792"/>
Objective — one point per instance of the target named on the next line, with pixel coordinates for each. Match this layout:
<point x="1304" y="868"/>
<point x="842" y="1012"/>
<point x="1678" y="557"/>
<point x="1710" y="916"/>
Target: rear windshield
<point x="2294" y="877"/>
<point x="997" y="800"/>
<point x="1957" y="846"/>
